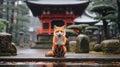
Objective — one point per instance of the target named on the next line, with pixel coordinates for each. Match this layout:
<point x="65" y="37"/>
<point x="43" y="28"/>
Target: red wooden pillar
<point x="49" y="32"/>
<point x="65" y="23"/>
<point x="42" y="26"/>
<point x="72" y="22"/>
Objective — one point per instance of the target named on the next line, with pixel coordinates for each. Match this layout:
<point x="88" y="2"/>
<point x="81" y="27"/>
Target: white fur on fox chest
<point x="59" y="41"/>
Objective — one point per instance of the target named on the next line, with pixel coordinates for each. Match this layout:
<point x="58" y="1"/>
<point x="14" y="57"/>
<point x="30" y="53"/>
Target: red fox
<point x="59" y="41"/>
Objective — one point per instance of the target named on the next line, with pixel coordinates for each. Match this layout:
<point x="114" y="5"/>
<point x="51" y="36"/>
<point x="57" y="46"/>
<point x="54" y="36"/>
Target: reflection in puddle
<point x="58" y="64"/>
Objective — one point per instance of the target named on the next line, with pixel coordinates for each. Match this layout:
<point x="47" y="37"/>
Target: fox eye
<point x="57" y="31"/>
<point x="61" y="31"/>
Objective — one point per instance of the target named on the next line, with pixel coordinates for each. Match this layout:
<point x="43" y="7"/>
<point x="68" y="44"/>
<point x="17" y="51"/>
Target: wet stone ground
<point x="40" y="54"/>
<point x="59" y="64"/>
<point x="28" y="57"/>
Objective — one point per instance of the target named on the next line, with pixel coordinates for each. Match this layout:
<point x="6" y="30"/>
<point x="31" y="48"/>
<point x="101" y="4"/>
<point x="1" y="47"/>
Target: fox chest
<point x="59" y="41"/>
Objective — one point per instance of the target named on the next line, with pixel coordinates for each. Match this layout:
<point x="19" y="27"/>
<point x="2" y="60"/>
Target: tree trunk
<point x="1" y="2"/>
<point x="7" y="11"/>
<point x="118" y="22"/>
<point x="7" y="15"/>
<point x="105" y="29"/>
<point x="12" y="17"/>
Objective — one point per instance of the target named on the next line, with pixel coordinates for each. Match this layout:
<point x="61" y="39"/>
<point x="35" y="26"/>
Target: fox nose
<point x="59" y="35"/>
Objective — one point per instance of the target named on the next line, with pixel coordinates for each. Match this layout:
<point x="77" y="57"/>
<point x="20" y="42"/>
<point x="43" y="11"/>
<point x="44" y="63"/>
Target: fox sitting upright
<point x="59" y="41"/>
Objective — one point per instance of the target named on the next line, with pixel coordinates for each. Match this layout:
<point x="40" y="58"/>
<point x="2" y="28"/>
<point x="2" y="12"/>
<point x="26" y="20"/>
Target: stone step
<point x="60" y="59"/>
<point x="30" y="55"/>
<point x="42" y="46"/>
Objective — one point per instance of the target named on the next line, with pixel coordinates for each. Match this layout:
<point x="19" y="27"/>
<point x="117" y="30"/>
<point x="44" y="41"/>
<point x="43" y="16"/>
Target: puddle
<point x="59" y="64"/>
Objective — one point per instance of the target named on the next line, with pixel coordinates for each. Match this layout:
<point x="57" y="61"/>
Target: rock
<point x="5" y="42"/>
<point x="13" y="49"/>
<point x="82" y="45"/>
<point x="72" y="46"/>
<point x="111" y="46"/>
<point x="91" y="45"/>
<point x="6" y="47"/>
<point x="97" y="47"/>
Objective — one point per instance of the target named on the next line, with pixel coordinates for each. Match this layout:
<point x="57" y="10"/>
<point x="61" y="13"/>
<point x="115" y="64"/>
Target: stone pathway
<point x="39" y="55"/>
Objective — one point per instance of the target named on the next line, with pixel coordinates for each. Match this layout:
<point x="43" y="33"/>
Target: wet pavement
<point x="27" y="57"/>
<point x="26" y="54"/>
<point x="62" y="64"/>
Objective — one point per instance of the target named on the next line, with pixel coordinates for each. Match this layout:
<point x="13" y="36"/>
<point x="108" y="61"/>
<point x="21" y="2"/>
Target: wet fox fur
<point x="59" y="41"/>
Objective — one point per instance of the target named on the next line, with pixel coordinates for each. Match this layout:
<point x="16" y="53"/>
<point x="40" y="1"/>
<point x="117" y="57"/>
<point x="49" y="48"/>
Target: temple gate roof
<point x="77" y="6"/>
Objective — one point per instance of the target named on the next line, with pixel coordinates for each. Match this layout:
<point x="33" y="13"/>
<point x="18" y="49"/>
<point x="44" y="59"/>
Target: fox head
<point x="59" y="31"/>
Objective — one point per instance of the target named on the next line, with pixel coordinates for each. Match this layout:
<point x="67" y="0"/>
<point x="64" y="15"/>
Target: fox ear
<point x="63" y="26"/>
<point x="55" y="26"/>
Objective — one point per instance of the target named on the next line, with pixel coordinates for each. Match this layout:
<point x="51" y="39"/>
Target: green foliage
<point x="3" y="24"/>
<point x="22" y="18"/>
<point x="109" y="2"/>
<point x="83" y="25"/>
<point x="111" y="17"/>
<point x="91" y="28"/>
<point x="103" y="9"/>
<point x="88" y="32"/>
<point x="74" y="27"/>
<point x="83" y="31"/>
<point x="22" y="8"/>
<point x="77" y="27"/>
<point x="80" y="28"/>
<point x="105" y="12"/>
<point x="70" y="32"/>
<point x="13" y="10"/>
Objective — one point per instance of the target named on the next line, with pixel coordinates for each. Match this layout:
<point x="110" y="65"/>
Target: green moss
<point x="97" y="48"/>
<point x="82" y="45"/>
<point x="111" y="46"/>
<point x="91" y="46"/>
<point x="72" y="46"/>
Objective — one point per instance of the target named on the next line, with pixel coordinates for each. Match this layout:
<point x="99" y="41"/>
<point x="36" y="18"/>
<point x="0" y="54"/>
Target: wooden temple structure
<point x="56" y="12"/>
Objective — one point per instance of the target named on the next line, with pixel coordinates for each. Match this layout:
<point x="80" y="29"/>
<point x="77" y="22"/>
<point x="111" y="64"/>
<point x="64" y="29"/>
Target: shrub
<point x="70" y="32"/>
<point x="91" y="28"/>
<point x="74" y="27"/>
